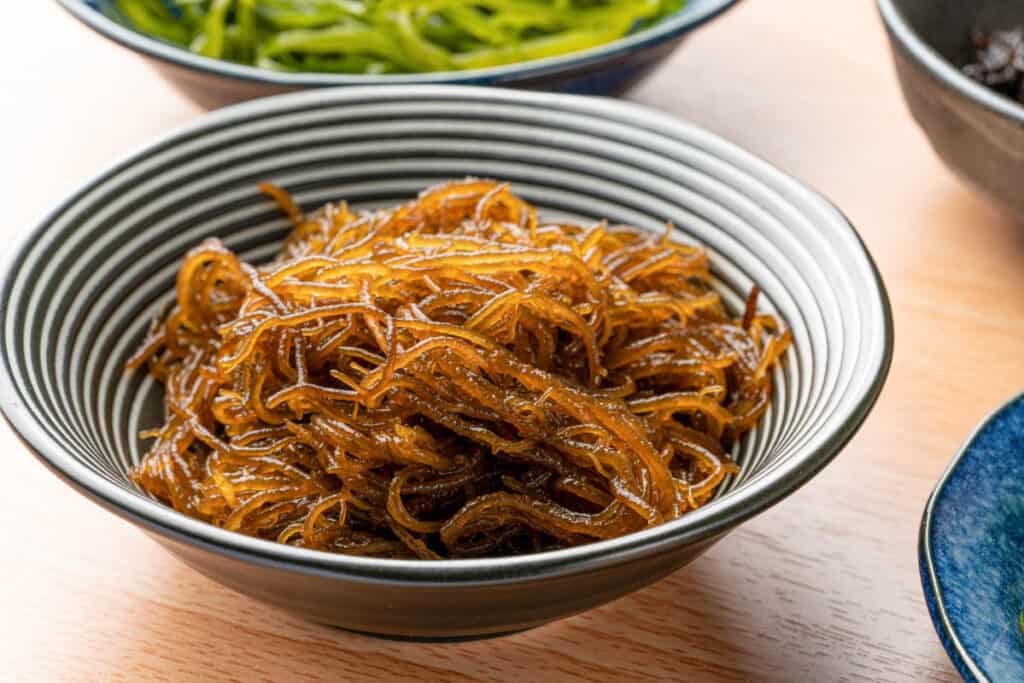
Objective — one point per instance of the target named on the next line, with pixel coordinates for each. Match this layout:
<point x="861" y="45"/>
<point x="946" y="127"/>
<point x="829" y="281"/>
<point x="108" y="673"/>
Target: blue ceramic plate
<point x="972" y="550"/>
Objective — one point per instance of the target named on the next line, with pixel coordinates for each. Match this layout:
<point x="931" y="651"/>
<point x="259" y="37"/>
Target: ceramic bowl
<point x="81" y="286"/>
<point x="603" y="70"/>
<point x="971" y="550"/>
<point x="978" y="133"/>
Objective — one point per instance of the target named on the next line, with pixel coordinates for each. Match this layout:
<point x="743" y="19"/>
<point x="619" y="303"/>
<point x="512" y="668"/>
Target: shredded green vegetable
<point x="387" y="36"/>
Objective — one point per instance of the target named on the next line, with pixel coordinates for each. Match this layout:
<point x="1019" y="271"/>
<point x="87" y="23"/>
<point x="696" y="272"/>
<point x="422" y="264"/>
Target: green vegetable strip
<point x="245" y="15"/>
<point x="538" y="48"/>
<point x="389" y="36"/>
<point x="426" y="55"/>
<point x="152" y="17"/>
<point x="213" y="36"/>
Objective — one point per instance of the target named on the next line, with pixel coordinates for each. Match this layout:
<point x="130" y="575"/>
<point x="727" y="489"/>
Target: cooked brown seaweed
<point x="451" y="378"/>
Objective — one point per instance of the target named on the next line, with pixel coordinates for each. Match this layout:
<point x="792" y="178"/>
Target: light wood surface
<point x="822" y="587"/>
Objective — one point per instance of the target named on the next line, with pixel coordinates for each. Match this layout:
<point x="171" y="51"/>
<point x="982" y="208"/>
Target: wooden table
<point x="822" y="587"/>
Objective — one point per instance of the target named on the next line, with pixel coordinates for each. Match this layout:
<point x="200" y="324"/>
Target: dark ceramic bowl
<point x="972" y="543"/>
<point x="80" y="288"/>
<point x="603" y="70"/>
<point x="978" y="133"/>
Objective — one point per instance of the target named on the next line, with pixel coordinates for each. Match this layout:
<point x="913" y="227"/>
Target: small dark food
<point x="451" y="378"/>
<point x="1000" y="61"/>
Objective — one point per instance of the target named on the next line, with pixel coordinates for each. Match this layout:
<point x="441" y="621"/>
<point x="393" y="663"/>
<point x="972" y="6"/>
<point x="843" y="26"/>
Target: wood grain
<point x="822" y="587"/>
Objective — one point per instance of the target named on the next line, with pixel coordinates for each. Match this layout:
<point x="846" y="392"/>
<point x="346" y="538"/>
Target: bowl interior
<point x="946" y="25"/>
<point x="82" y="288"/>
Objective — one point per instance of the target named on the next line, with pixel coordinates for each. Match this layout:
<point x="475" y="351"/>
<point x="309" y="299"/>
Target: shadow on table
<point x="702" y="623"/>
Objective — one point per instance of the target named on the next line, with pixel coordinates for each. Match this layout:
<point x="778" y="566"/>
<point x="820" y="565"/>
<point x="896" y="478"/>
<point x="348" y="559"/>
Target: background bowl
<point x="80" y="289"/>
<point x="978" y="133"/>
<point x="603" y="70"/>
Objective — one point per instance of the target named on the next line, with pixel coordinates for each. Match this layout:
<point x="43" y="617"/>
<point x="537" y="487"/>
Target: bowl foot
<point x="431" y="639"/>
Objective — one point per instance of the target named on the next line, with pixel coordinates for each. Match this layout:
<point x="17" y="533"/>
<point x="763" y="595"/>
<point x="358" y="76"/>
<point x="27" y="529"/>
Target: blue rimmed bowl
<point x="80" y="288"/>
<point x="972" y="550"/>
<point x="603" y="70"/>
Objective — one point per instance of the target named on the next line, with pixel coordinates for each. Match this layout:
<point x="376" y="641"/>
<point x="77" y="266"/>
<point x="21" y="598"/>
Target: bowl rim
<point x="933" y="593"/>
<point x="700" y="526"/>
<point x="940" y="68"/>
<point x="690" y="16"/>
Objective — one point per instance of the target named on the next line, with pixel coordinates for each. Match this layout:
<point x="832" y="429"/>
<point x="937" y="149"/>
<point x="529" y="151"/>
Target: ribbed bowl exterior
<point x="80" y="289"/>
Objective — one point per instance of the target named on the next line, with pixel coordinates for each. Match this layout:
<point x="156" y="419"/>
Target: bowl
<point x="603" y="70"/>
<point x="978" y="133"/>
<point x="81" y="287"/>
<point x="972" y="539"/>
